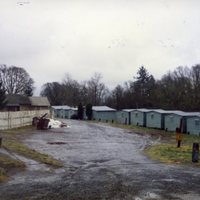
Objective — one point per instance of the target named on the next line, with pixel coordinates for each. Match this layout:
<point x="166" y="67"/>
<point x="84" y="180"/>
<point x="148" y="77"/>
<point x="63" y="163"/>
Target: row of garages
<point x="189" y="122"/>
<point x="100" y="113"/>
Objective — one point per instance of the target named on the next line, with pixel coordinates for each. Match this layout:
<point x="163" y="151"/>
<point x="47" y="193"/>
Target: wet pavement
<point x="100" y="162"/>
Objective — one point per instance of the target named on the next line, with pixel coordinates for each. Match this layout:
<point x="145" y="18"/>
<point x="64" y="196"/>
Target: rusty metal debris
<point x="44" y="123"/>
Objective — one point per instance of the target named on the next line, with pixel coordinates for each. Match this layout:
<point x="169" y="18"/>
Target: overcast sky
<point x="50" y="38"/>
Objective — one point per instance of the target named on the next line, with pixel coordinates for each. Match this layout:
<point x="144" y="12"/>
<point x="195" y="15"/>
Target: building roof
<point x="156" y="110"/>
<point x="186" y="114"/>
<point x="143" y="110"/>
<point x="161" y="111"/>
<point x="176" y="112"/>
<point x="102" y="108"/>
<point x="17" y="100"/>
<point x="128" y="110"/>
<point x="39" y="101"/>
<point x="72" y="108"/>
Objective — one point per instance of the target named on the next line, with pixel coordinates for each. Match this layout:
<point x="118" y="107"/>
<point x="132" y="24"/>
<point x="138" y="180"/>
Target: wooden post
<point x="178" y="137"/>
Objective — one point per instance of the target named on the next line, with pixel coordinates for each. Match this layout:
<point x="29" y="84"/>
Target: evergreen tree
<point x="89" y="111"/>
<point x="80" y="111"/>
<point x="2" y="96"/>
<point x="143" y="88"/>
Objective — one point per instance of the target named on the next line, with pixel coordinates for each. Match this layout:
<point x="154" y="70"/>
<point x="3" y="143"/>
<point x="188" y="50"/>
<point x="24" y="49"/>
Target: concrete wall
<point x="18" y="119"/>
<point x="104" y="116"/>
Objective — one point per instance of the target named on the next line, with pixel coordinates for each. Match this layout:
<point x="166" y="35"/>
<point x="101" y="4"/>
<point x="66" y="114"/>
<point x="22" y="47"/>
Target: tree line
<point x="177" y="90"/>
<point x="71" y="92"/>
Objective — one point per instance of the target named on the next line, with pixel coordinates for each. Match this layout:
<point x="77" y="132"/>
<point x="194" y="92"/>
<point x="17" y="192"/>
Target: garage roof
<point x="102" y="108"/>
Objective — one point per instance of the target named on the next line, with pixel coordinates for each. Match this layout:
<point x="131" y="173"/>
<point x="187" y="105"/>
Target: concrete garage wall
<point x="172" y="122"/>
<point x="154" y="120"/>
<point x="193" y="125"/>
<point x="18" y="119"/>
<point x="138" y="118"/>
<point x="104" y="116"/>
<point x="122" y="117"/>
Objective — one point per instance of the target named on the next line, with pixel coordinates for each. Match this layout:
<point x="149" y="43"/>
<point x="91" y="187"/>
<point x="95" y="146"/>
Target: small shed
<point x="64" y="111"/>
<point x="177" y="119"/>
<point x="173" y="121"/>
<point x="138" y="117"/>
<point x="124" y="116"/>
<point x="156" y="118"/>
<point x="39" y="103"/>
<point x="103" y="113"/>
<point x="16" y="102"/>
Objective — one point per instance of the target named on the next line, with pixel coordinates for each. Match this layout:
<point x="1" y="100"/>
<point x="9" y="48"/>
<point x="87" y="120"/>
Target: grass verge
<point x="3" y="176"/>
<point x="12" y="143"/>
<point x="169" y="153"/>
<point x="20" y="148"/>
<point x="166" y="150"/>
<point x="7" y="164"/>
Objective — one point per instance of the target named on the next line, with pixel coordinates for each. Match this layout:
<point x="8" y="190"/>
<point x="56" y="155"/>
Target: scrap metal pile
<point x="44" y="123"/>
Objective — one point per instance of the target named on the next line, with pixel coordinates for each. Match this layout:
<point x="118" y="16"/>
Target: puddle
<point x="148" y="196"/>
<point x="22" y="178"/>
<point x="59" y="143"/>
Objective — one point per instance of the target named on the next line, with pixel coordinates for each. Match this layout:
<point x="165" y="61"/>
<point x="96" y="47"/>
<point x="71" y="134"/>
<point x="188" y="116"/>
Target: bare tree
<point x="96" y="90"/>
<point x="71" y="91"/>
<point x="195" y="79"/>
<point x="16" y="80"/>
<point x="118" y="97"/>
<point x="174" y="90"/>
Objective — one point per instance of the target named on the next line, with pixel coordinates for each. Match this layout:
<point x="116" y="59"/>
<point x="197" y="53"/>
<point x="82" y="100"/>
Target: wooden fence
<point x="9" y="120"/>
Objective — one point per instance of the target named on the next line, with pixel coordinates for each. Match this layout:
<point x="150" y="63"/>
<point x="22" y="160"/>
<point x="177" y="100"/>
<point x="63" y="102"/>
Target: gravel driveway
<point x="100" y="162"/>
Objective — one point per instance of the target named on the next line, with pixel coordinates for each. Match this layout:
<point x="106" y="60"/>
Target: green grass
<point x="190" y="139"/>
<point x="20" y="148"/>
<point x="7" y="164"/>
<point x="166" y="151"/>
<point x="3" y="176"/>
<point x="17" y="131"/>
<point x="169" y="153"/>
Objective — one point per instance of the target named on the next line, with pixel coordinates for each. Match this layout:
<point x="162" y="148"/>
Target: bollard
<point x="178" y="137"/>
<point x="0" y="141"/>
<point x="195" y="152"/>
